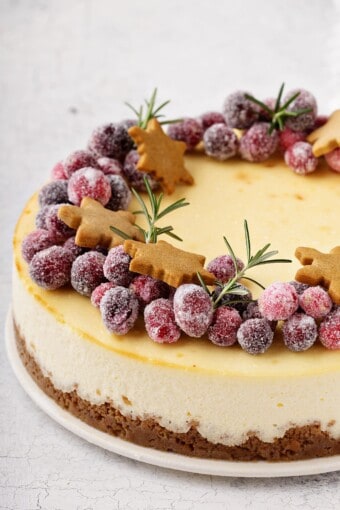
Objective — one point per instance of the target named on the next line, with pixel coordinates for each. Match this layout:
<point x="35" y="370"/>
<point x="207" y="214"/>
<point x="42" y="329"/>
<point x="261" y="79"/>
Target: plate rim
<point x="167" y="460"/>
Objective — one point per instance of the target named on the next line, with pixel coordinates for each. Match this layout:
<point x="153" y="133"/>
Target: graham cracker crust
<point x="298" y="442"/>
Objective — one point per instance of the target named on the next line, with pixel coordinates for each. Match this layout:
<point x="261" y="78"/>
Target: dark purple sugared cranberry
<point x="148" y="289"/>
<point x="300" y="158"/>
<point x="36" y="241"/>
<point x="220" y="142"/>
<point x="135" y="176"/>
<point x="193" y="309"/>
<point x="160" y="321"/>
<point x="89" y="182"/>
<point x="98" y="293"/>
<point x="87" y="272"/>
<point x="210" y="118"/>
<point x="70" y="244"/>
<point x="255" y="336"/>
<point x="57" y="228"/>
<point x="299" y="332"/>
<point x="119" y="310"/>
<point x="223" y="268"/>
<point x="54" y="192"/>
<point x="51" y="268"/>
<point x="40" y="219"/>
<point x="257" y="144"/>
<point x="189" y="131"/>
<point x="239" y="112"/>
<point x="299" y="287"/>
<point x="77" y="160"/>
<point x="111" y="140"/>
<point x="116" y="267"/>
<point x="223" y="329"/>
<point x="252" y="312"/>
<point x="304" y="100"/>
<point x="120" y="193"/>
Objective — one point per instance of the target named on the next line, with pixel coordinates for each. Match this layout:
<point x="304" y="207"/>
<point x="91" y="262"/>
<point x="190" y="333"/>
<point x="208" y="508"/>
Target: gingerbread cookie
<point x="327" y="137"/>
<point x="320" y="268"/>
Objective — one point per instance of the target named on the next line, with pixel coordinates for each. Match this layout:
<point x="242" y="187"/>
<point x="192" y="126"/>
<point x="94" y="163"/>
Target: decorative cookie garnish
<point x="160" y="155"/>
<point x="320" y="268"/>
<point x="327" y="137"/>
<point x="93" y="223"/>
<point x="165" y="262"/>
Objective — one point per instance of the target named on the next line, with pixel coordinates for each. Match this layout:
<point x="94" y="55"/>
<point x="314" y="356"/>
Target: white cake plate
<point x="260" y="469"/>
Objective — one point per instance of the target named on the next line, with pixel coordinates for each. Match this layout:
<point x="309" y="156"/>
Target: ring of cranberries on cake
<point x="193" y="397"/>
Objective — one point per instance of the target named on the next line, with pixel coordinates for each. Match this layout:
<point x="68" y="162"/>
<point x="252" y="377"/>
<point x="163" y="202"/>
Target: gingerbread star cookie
<point x="327" y="137"/>
<point x="93" y="223"/>
<point x="320" y="268"/>
<point x="165" y="262"/>
<point x="160" y="155"/>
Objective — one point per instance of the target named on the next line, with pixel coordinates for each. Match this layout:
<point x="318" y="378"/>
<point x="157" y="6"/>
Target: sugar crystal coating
<point x="193" y="309"/>
<point x="239" y="112"/>
<point x="111" y="140"/>
<point x="98" y="293"/>
<point x="89" y="182"/>
<point x="278" y="301"/>
<point x="147" y="289"/>
<point x="120" y="193"/>
<point x="255" y="336"/>
<point x="87" y="272"/>
<point x="299" y="332"/>
<point x="71" y="245"/>
<point x="223" y="267"/>
<point x="333" y="159"/>
<point x="36" y="241"/>
<point x="189" y="131"/>
<point x="135" y="176"/>
<point x="288" y="137"/>
<point x="316" y="302"/>
<point x="40" y="219"/>
<point x="223" y="329"/>
<point x="257" y="144"/>
<point x="304" y="100"/>
<point x="58" y="171"/>
<point x="56" y="226"/>
<point x="300" y="158"/>
<point x="110" y="166"/>
<point x="50" y="268"/>
<point x="210" y="118"/>
<point x="160" y="321"/>
<point x="54" y="192"/>
<point x="116" y="267"/>
<point x="329" y="330"/>
<point x="119" y="310"/>
<point x="220" y="142"/>
<point x="77" y="160"/>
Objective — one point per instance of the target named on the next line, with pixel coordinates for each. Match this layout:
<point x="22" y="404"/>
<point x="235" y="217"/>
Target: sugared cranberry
<point x="193" y="309"/>
<point x="77" y="160"/>
<point x="223" y="268"/>
<point x="220" y="142"/>
<point x="188" y="131"/>
<point x="255" y="336"/>
<point x="120" y="193"/>
<point x="257" y="144"/>
<point x="263" y="114"/>
<point x="287" y="138"/>
<point x="333" y="159"/>
<point x="299" y="287"/>
<point x="239" y="112"/>
<point x="98" y="293"/>
<point x="70" y="244"/>
<point x="36" y="241"/>
<point x="300" y="158"/>
<point x="160" y="321"/>
<point x="52" y="193"/>
<point x="252" y="311"/>
<point x="135" y="176"/>
<point x="116" y="267"/>
<point x="299" y="332"/>
<point x="87" y="272"/>
<point x="329" y="331"/>
<point x="223" y="329"/>
<point x="58" y="171"/>
<point x="50" y="268"/>
<point x="111" y="140"/>
<point x="278" y="301"/>
<point x="148" y="289"/>
<point x="40" y="219"/>
<point x="89" y="182"/>
<point x="316" y="302"/>
<point x="56" y="226"/>
<point x="304" y="100"/>
<point x="119" y="310"/>
<point x="210" y="118"/>
<point x="110" y="166"/>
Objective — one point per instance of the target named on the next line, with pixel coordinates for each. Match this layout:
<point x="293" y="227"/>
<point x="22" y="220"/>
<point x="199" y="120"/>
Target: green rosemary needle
<point x="152" y="111"/>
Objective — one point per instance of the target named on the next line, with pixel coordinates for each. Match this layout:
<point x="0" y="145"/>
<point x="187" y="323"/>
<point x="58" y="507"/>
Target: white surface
<point x="148" y="455"/>
<point x="88" y="56"/>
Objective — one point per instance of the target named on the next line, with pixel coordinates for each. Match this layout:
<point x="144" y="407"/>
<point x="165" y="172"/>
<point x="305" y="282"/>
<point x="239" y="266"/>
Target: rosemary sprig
<point x="152" y="111"/>
<point x="280" y="113"/>
<point x="155" y="213"/>
<point x="261" y="257"/>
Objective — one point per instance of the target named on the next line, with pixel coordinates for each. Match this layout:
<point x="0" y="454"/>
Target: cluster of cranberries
<point x="216" y="131"/>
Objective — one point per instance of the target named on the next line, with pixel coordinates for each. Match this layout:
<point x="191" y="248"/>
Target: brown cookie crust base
<point x="297" y="443"/>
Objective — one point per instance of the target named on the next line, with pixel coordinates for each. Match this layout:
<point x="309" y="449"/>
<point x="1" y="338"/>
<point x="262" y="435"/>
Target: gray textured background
<point x="66" y="66"/>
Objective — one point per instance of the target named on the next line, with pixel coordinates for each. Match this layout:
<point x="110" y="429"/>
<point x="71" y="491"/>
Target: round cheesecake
<point x="193" y="397"/>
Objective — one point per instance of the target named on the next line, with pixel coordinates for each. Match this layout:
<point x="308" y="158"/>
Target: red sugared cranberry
<point x="299" y="332"/>
<point x="52" y="193"/>
<point x="148" y="289"/>
<point x="333" y="159"/>
<point x="110" y="166"/>
<point x="304" y="100"/>
<point x="210" y="118"/>
<point x="316" y="302"/>
<point x="87" y="272"/>
<point x="300" y="158"/>
<point x="220" y="142"/>
<point x="89" y="182"/>
<point x="257" y="144"/>
<point x="120" y="193"/>
<point x="278" y="301"/>
<point x="239" y="112"/>
<point x="160" y="321"/>
<point x="98" y="293"/>
<point x="287" y="138"/>
<point x="193" y="309"/>
<point x="255" y="336"/>
<point x="223" y="329"/>
<point x="329" y="331"/>
<point x="36" y="241"/>
<point x="223" y="268"/>
<point x="77" y="160"/>
<point x="50" y="268"/>
<point x="116" y="267"/>
<point x="119" y="309"/>
<point x="188" y="131"/>
<point x="70" y="244"/>
<point x="58" y="171"/>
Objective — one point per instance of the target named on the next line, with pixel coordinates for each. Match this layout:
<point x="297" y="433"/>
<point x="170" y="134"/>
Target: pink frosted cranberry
<point x="193" y="309"/>
<point x="110" y="166"/>
<point x="220" y="142"/>
<point x="54" y="192"/>
<point x="210" y="118"/>
<point x="116" y="267"/>
<point x="160" y="321"/>
<point x="71" y="245"/>
<point x="50" y="268"/>
<point x="333" y="159"/>
<point x="257" y="144"/>
<point x="287" y="138"/>
<point x="255" y="336"/>
<point x="304" y="100"/>
<point x="329" y="330"/>
<point x="223" y="329"/>
<point x="299" y="332"/>
<point x="316" y="302"/>
<point x="278" y="301"/>
<point x="148" y="289"/>
<point x="98" y="293"/>
<point x="56" y="226"/>
<point x="36" y="241"/>
<point x="239" y="112"/>
<point x="120" y="193"/>
<point x="58" y="171"/>
<point x="300" y="158"/>
<point x="77" y="160"/>
<point x="188" y="131"/>
<point x="135" y="176"/>
<point x="87" y="272"/>
<point x="223" y="268"/>
<point x="119" y="310"/>
<point x="89" y="182"/>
